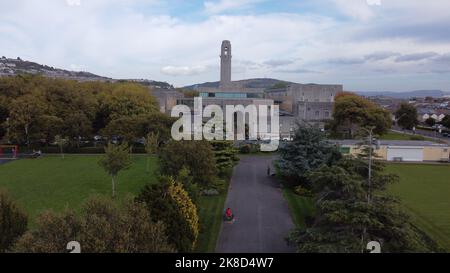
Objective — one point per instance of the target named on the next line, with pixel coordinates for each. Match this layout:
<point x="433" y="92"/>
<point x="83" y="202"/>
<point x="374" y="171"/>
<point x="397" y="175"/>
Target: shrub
<point x="299" y="190"/>
<point x="245" y="149"/>
<point x="197" y="156"/>
<point x="13" y="222"/>
<point x="167" y="201"/>
<point x="103" y="227"/>
<point x="187" y="181"/>
<point x="226" y="157"/>
<point x="52" y="233"/>
<point x="109" y="228"/>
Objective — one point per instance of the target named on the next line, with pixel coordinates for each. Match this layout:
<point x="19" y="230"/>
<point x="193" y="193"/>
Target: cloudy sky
<point x="367" y="45"/>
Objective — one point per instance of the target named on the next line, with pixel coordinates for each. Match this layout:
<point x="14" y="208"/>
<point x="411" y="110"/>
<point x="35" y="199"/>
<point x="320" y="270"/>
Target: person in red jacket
<point x="228" y="214"/>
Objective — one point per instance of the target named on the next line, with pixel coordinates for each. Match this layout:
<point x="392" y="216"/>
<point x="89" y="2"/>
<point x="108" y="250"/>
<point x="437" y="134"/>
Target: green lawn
<point x="425" y="192"/>
<point x="398" y="136"/>
<point x="54" y="183"/>
<point x="210" y="213"/>
<point x="299" y="206"/>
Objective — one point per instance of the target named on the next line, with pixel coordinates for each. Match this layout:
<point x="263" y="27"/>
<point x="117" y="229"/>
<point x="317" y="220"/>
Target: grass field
<point x="300" y="207"/>
<point x="210" y="213"/>
<point x="397" y="136"/>
<point x="54" y="183"/>
<point x="425" y="192"/>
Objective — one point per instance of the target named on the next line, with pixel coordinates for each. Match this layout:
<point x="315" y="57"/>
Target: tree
<point x="430" y="122"/>
<point x="446" y="121"/>
<point x="4" y="114"/>
<point x="40" y="108"/>
<point x="125" y="127"/>
<point x="135" y="127"/>
<point x="52" y="233"/>
<point x="24" y="114"/>
<point x="116" y="158"/>
<point x="345" y="221"/>
<point x="13" y="222"/>
<point x="185" y="178"/>
<point x="151" y="146"/>
<point x="130" y="99"/>
<point x="309" y="150"/>
<point x="156" y="122"/>
<point x="197" y="156"/>
<point x="167" y="201"/>
<point x="61" y="142"/>
<point x="127" y="229"/>
<point x="352" y="112"/>
<point x="226" y="157"/>
<point x="190" y="93"/>
<point x="102" y="227"/>
<point x="77" y="125"/>
<point x="406" y="116"/>
<point x="50" y="126"/>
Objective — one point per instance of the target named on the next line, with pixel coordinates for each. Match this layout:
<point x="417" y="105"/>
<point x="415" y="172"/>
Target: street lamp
<point x="370" y="132"/>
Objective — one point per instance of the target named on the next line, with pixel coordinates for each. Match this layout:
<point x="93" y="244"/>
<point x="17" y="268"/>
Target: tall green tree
<point x="138" y="126"/>
<point x="352" y="112"/>
<point x="185" y="178"/>
<point x="197" y="156"/>
<point x="226" y="157"/>
<point x="25" y="112"/>
<point x="345" y="221"/>
<point x="77" y="125"/>
<point x="406" y="116"/>
<point x="308" y="150"/>
<point x="115" y="159"/>
<point x="50" y="126"/>
<point x="4" y="114"/>
<point x="169" y="202"/>
<point x="129" y="99"/>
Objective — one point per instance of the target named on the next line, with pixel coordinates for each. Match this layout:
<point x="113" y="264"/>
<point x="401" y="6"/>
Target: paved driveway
<point x="262" y="215"/>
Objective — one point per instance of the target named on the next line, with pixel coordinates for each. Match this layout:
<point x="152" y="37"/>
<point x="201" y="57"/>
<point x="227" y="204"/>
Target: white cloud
<point x="215" y="7"/>
<point x="73" y="2"/>
<point x="360" y="9"/>
<point x="182" y="70"/>
<point x="119" y="39"/>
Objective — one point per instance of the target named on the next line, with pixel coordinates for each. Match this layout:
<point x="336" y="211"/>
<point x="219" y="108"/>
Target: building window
<point x="327" y="114"/>
<point x="317" y="113"/>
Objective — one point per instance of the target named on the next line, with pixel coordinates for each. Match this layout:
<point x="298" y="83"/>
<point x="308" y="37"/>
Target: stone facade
<point x="225" y="64"/>
<point x="299" y="103"/>
<point x="167" y="99"/>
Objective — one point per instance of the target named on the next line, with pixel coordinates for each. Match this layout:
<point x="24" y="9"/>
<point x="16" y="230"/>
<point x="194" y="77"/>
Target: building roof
<point x="414" y="143"/>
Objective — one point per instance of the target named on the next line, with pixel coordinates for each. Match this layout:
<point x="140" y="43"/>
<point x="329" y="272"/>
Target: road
<point x="430" y="134"/>
<point x="262" y="218"/>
